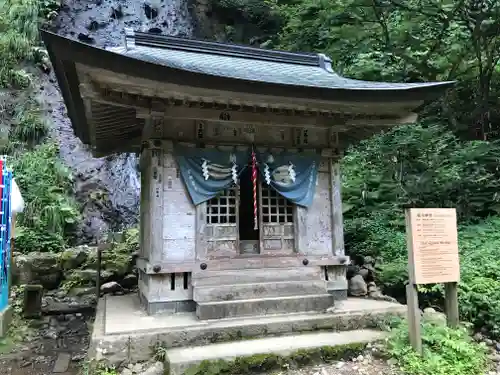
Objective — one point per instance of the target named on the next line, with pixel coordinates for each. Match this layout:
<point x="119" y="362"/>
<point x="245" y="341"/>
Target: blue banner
<point x="291" y="175"/>
<point x="206" y="172"/>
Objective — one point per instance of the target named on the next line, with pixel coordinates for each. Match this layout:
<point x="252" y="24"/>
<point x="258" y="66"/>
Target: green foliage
<point x="408" y="41"/>
<point x="415" y="166"/>
<point x="422" y="166"/>
<point x="97" y="368"/>
<point x="50" y="213"/>
<point x="118" y="257"/>
<point x="27" y="128"/>
<point x="446" y="351"/>
<point x="247" y="20"/>
<point x="479" y="287"/>
<point x="479" y="293"/>
<point x="160" y="352"/>
<point x="19" y="23"/>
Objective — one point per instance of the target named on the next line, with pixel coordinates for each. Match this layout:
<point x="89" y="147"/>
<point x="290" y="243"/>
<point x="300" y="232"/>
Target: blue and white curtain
<point x="291" y="175"/>
<point x="206" y="172"/>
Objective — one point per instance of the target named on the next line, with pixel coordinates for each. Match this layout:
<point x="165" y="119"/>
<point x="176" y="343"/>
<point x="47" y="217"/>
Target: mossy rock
<point x="73" y="258"/>
<point x="118" y="259"/>
<point x="261" y="363"/>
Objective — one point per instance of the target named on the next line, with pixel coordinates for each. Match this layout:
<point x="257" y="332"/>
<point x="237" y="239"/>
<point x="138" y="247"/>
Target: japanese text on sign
<point x="433" y="245"/>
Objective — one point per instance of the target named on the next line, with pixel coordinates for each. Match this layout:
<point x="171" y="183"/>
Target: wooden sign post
<point x="432" y="259"/>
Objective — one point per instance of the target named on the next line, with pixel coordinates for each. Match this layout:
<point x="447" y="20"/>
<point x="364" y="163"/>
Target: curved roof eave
<point x="71" y="51"/>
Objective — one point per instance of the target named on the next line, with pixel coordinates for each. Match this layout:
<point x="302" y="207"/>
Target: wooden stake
<point x="414" y="318"/>
<point x="451" y="304"/>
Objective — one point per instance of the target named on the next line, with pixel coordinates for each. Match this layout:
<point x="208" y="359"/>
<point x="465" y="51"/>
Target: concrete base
<point x="171" y="307"/>
<point x="5" y="319"/>
<point x="180" y="359"/>
<point x="124" y="332"/>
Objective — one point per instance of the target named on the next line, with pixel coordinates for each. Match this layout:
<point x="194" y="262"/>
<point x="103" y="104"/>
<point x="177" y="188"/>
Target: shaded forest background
<point x="449" y="159"/>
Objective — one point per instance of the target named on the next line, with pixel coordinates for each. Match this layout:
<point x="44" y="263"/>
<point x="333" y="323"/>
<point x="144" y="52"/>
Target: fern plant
<point x="446" y="351"/>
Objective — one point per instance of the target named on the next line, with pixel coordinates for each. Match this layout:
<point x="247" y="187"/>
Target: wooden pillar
<point x="155" y="196"/>
<point x="335" y="194"/>
<point x="151" y="226"/>
<point x="336" y="202"/>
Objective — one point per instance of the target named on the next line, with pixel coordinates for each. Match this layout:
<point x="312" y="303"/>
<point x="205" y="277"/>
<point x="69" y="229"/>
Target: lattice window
<point x="275" y="208"/>
<point x="222" y="209"/>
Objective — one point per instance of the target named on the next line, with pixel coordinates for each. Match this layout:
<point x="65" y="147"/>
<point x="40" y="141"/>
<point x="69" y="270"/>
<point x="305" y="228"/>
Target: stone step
<point x="237" y="292"/>
<point x="180" y="359"/>
<point x="256" y="275"/>
<point x="263" y="306"/>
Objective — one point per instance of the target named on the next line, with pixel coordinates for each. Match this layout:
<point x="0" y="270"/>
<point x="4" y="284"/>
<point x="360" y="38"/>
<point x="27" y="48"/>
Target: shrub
<point x="19" y="23"/>
<point x="479" y="287"/>
<point x="427" y="166"/>
<point x="50" y="213"/>
<point x="446" y="351"/>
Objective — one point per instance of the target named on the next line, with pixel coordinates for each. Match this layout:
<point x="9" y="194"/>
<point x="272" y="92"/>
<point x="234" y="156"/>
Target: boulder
<point x="129" y="281"/>
<point x="38" y="268"/>
<point x="155" y="369"/>
<point x="83" y="277"/>
<point x="111" y="287"/>
<point x="75" y="257"/>
<point x="82" y="291"/>
<point x="375" y="293"/>
<point x="357" y="286"/>
<point x="432" y="316"/>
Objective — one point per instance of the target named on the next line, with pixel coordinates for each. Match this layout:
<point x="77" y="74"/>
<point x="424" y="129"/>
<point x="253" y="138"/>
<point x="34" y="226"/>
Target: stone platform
<point x="180" y="359"/>
<point x="123" y="332"/>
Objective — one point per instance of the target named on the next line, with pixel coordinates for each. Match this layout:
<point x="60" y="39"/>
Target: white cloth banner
<point x="16" y="199"/>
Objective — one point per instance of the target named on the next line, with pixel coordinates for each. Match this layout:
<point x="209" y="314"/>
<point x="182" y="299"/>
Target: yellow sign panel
<point x="432" y="245"/>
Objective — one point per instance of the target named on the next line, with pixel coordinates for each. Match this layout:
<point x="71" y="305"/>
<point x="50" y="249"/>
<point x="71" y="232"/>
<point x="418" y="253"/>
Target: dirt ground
<point x="66" y="337"/>
<point x="363" y="365"/>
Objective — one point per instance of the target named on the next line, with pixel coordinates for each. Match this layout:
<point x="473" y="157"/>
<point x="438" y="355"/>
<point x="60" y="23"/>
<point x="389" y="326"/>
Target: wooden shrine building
<point x="241" y="210"/>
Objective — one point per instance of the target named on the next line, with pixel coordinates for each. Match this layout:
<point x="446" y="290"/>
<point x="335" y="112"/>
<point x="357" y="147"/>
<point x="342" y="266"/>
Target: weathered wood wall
<point x="179" y="213"/>
<point x="174" y="233"/>
<point x="314" y="225"/>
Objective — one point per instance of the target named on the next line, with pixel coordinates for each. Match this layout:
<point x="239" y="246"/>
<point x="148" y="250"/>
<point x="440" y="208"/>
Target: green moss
<point x="268" y="362"/>
<point x="118" y="258"/>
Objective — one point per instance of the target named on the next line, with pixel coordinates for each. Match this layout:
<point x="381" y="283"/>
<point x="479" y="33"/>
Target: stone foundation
<point x="220" y="294"/>
<point x="124" y="332"/>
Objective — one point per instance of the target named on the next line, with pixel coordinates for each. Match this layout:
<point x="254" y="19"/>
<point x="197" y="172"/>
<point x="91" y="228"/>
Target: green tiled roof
<point x="248" y="63"/>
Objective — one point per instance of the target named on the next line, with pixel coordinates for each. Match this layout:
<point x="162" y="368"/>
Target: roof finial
<point x="325" y="62"/>
<point x="129" y="38"/>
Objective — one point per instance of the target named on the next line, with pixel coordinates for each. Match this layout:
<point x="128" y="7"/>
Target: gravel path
<point x="363" y="365"/>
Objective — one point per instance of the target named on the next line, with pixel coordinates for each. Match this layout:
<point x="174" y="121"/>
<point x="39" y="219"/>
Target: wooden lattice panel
<point x="275" y="208"/>
<point x="223" y="208"/>
<point x="220" y="234"/>
<point x="277" y="223"/>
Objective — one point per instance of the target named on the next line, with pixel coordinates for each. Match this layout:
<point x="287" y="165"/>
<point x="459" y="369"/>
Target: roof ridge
<point x="139" y="38"/>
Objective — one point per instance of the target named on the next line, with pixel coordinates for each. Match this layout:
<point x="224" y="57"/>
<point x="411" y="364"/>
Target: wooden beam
<point x="154" y="88"/>
<point x="242" y="118"/>
<point x="409" y="118"/>
<point x="324" y="121"/>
